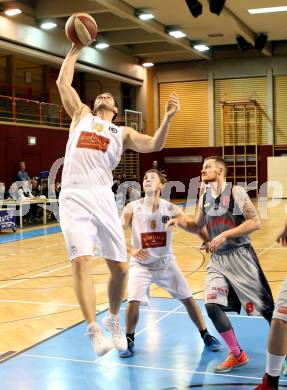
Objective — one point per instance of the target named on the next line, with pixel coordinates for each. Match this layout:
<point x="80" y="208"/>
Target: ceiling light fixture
<point x="48" y="25"/>
<point x="201" y="47"/>
<point x="12" y="12"/>
<point x="216" y="6"/>
<point x="176" y="33"/>
<point x="195" y="7"/>
<point x="148" y="64"/>
<point x="144" y="14"/>
<point x="101" y="45"/>
<point x="254" y="11"/>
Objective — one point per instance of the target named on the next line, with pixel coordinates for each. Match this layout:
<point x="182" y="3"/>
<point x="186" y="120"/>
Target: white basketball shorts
<point x="280" y="311"/>
<point x="169" y="278"/>
<point x="91" y="225"/>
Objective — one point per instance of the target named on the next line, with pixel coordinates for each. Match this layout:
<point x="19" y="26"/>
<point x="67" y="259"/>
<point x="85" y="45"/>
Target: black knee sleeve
<point x="218" y="317"/>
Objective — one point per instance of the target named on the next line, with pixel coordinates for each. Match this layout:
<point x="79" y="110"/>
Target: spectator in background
<point x="2" y="191"/>
<point x="13" y="192"/>
<point x="132" y="194"/>
<point x="25" y="190"/>
<point x="155" y="165"/>
<point x="22" y="175"/>
<point x="57" y="189"/>
<point x="135" y="178"/>
<point x="35" y="190"/>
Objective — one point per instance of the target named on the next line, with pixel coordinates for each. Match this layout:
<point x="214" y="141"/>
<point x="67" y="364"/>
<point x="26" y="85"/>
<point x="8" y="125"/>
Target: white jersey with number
<point x="93" y="150"/>
<point x="149" y="230"/>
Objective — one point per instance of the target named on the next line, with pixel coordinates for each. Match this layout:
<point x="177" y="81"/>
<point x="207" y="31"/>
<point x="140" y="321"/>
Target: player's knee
<point x="121" y="270"/>
<point x="279" y="324"/>
<point x="81" y="264"/>
<point x="212" y="310"/>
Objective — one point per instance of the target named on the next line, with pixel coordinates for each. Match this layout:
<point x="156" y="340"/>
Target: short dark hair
<point x="161" y="175"/>
<point x="219" y="160"/>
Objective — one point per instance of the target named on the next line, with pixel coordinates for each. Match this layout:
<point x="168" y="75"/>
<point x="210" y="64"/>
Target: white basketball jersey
<point x="149" y="230"/>
<point x="93" y="150"/>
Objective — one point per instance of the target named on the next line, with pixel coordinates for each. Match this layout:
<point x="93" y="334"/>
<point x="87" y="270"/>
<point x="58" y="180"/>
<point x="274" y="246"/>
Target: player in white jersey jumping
<point x="277" y="343"/>
<point x="88" y="213"/>
<point x="152" y="259"/>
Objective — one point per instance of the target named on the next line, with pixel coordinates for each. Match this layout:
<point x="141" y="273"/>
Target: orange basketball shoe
<point x="265" y="385"/>
<point x="232" y="362"/>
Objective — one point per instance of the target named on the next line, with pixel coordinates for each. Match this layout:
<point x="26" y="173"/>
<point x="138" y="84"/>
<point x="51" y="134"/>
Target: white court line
<point x="203" y="313"/>
<point x="35" y="276"/>
<point x="142" y="367"/>
<point x="122" y="308"/>
<point x="144" y="329"/>
<point x="266" y="249"/>
<point x="38" y="303"/>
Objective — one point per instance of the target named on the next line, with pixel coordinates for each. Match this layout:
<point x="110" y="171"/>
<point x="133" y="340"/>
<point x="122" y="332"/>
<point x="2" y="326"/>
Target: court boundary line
<point x="123" y="308"/>
<point x="100" y="363"/>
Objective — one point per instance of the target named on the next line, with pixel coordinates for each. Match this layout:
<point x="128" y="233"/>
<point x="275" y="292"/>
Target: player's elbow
<point x="61" y="82"/>
<point x="257" y="224"/>
<point x="155" y="146"/>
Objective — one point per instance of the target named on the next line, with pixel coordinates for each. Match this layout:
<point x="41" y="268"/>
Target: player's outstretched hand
<point x="172" y="105"/>
<point x="171" y="224"/>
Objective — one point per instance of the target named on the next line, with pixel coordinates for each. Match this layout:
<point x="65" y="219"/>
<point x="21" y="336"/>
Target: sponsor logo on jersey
<point x="113" y="129"/>
<point x="153" y="224"/>
<point x="211" y="296"/>
<point x="220" y="290"/>
<point x="282" y="309"/>
<point x="221" y="221"/>
<point x="88" y="140"/>
<point x="165" y="218"/>
<point x="153" y="240"/>
<point x="99" y="127"/>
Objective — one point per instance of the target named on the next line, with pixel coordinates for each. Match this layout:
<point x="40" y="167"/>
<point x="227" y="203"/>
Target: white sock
<point x="113" y="316"/>
<point x="274" y="364"/>
<point x="92" y="325"/>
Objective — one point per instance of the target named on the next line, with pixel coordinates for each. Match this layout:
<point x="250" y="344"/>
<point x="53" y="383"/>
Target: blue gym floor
<point x="169" y="354"/>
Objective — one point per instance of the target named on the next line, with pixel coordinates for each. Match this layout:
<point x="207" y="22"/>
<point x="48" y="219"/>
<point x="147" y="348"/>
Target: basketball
<point x="81" y="29"/>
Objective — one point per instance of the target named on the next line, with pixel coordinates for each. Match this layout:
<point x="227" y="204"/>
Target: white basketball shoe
<point x="112" y="324"/>
<point x="100" y="343"/>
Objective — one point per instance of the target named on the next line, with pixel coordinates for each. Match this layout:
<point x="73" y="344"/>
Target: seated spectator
<point x="2" y="191"/>
<point x="54" y="190"/>
<point x="25" y="190"/>
<point x="13" y="192"/>
<point x="57" y="189"/>
<point x="133" y="194"/>
<point x="22" y="175"/>
<point x="135" y="178"/>
<point x="116" y="185"/>
<point x="35" y="190"/>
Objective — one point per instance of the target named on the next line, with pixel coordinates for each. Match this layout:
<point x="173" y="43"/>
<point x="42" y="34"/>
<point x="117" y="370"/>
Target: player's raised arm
<point x="143" y="143"/>
<point x="70" y="98"/>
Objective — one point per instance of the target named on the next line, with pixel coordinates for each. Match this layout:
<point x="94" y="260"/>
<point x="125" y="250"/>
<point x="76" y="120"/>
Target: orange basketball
<point x="81" y="29"/>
